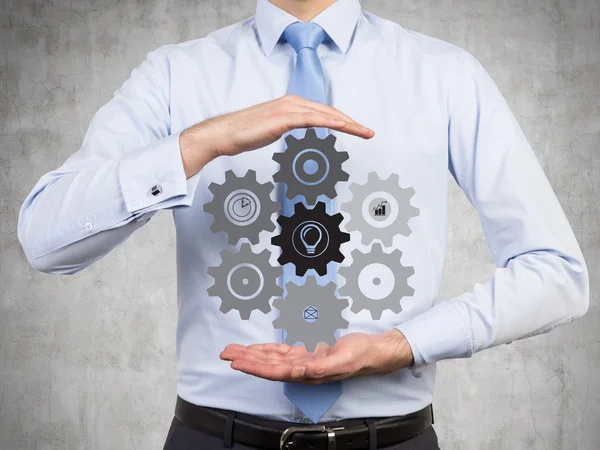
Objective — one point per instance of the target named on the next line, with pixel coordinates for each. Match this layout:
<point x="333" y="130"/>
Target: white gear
<point x="383" y="227"/>
<point x="361" y="300"/>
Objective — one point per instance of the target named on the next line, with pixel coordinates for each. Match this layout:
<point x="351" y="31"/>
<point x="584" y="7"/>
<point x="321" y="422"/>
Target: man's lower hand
<point x="355" y="354"/>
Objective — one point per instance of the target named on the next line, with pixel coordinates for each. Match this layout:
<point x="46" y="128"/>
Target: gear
<point x="310" y="166"/>
<point x="245" y="281"/>
<point x="380" y="209"/>
<point x="370" y="268"/>
<point x="310" y="239"/>
<point x="310" y="301"/>
<point x="242" y="207"/>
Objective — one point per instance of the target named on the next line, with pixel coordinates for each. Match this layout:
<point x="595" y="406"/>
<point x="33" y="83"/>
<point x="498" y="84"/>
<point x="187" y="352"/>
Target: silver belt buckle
<point x="287" y="433"/>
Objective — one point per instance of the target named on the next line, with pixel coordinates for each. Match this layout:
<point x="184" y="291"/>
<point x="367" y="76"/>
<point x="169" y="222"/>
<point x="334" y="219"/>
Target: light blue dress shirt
<point x="433" y="107"/>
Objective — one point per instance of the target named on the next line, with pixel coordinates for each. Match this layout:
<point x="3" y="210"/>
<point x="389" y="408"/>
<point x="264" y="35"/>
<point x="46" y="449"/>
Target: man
<point x="330" y="240"/>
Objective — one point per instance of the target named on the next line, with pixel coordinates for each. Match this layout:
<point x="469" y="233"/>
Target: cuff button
<point x="156" y="190"/>
<point x="89" y="226"/>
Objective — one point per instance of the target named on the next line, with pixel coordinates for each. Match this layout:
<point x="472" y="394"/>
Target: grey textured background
<point x="88" y="361"/>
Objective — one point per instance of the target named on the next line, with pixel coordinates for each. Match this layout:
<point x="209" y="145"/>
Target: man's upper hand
<point x="355" y="354"/>
<point x="258" y="126"/>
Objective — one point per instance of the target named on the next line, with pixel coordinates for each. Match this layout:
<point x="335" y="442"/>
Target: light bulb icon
<point x="310" y="248"/>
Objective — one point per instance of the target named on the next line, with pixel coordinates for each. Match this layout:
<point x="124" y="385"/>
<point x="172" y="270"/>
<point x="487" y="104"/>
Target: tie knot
<point x="304" y="34"/>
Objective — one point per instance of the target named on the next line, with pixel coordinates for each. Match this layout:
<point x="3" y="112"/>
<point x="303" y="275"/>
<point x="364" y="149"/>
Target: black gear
<point x="330" y="241"/>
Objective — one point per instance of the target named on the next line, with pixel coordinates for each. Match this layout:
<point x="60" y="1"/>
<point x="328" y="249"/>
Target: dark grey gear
<point x="361" y="300"/>
<point x="373" y="226"/>
<point x="321" y="155"/>
<point x="298" y="301"/>
<point x="245" y="281"/>
<point x="242" y="207"/>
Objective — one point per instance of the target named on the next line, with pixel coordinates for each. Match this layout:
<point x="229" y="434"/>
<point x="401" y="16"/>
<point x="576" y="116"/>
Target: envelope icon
<point x="311" y="313"/>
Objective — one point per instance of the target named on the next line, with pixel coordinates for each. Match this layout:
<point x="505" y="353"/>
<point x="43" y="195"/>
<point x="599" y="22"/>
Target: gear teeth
<point x="283" y="260"/>
<point x="311" y="133"/>
<point x="361" y="301"/>
<point x="290" y="139"/>
<point x="321" y="271"/>
<point x="330" y="139"/>
<point x="248" y="183"/>
<point x="329" y="193"/>
<point x="320" y="208"/>
<point x="337" y="219"/>
<point x="245" y="314"/>
<point x="225" y="309"/>
<point x="265" y="308"/>
<point x="282" y="220"/>
<point x="245" y="247"/>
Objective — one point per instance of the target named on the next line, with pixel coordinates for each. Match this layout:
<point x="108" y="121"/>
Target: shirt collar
<point x="338" y="20"/>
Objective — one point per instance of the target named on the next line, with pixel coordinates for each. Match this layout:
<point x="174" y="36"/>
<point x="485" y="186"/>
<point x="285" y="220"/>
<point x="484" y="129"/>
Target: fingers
<point x="315" y="381"/>
<point x="330" y="365"/>
<point x="274" y="372"/>
<point x="234" y="351"/>
<point x="324" y="120"/>
<point x="275" y="348"/>
<point x="321" y="350"/>
<point x="327" y="109"/>
<point x="290" y="371"/>
<point x="266" y="353"/>
<point x="306" y="103"/>
<point x="257" y="357"/>
<point x="303" y="105"/>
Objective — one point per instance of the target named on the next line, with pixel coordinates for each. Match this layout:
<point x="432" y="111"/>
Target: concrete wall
<point x="87" y="361"/>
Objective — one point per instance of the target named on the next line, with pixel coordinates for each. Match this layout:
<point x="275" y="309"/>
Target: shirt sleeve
<point x="128" y="167"/>
<point x="541" y="279"/>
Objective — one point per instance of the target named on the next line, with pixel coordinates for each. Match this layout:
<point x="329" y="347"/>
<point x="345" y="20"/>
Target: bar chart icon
<point x="380" y="209"/>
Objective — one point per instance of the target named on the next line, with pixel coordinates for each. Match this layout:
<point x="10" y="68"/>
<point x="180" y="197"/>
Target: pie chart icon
<point x="242" y="207"/>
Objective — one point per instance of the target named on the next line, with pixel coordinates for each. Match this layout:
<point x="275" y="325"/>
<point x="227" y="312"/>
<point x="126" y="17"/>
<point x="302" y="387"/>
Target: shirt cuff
<point x="153" y="177"/>
<point x="436" y="334"/>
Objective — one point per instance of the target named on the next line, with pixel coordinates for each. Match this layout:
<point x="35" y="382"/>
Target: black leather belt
<point x="347" y="434"/>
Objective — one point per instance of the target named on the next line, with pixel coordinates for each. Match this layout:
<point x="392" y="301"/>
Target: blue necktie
<point x="307" y="81"/>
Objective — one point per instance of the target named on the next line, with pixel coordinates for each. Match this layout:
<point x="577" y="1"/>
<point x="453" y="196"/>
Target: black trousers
<point x="182" y="437"/>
